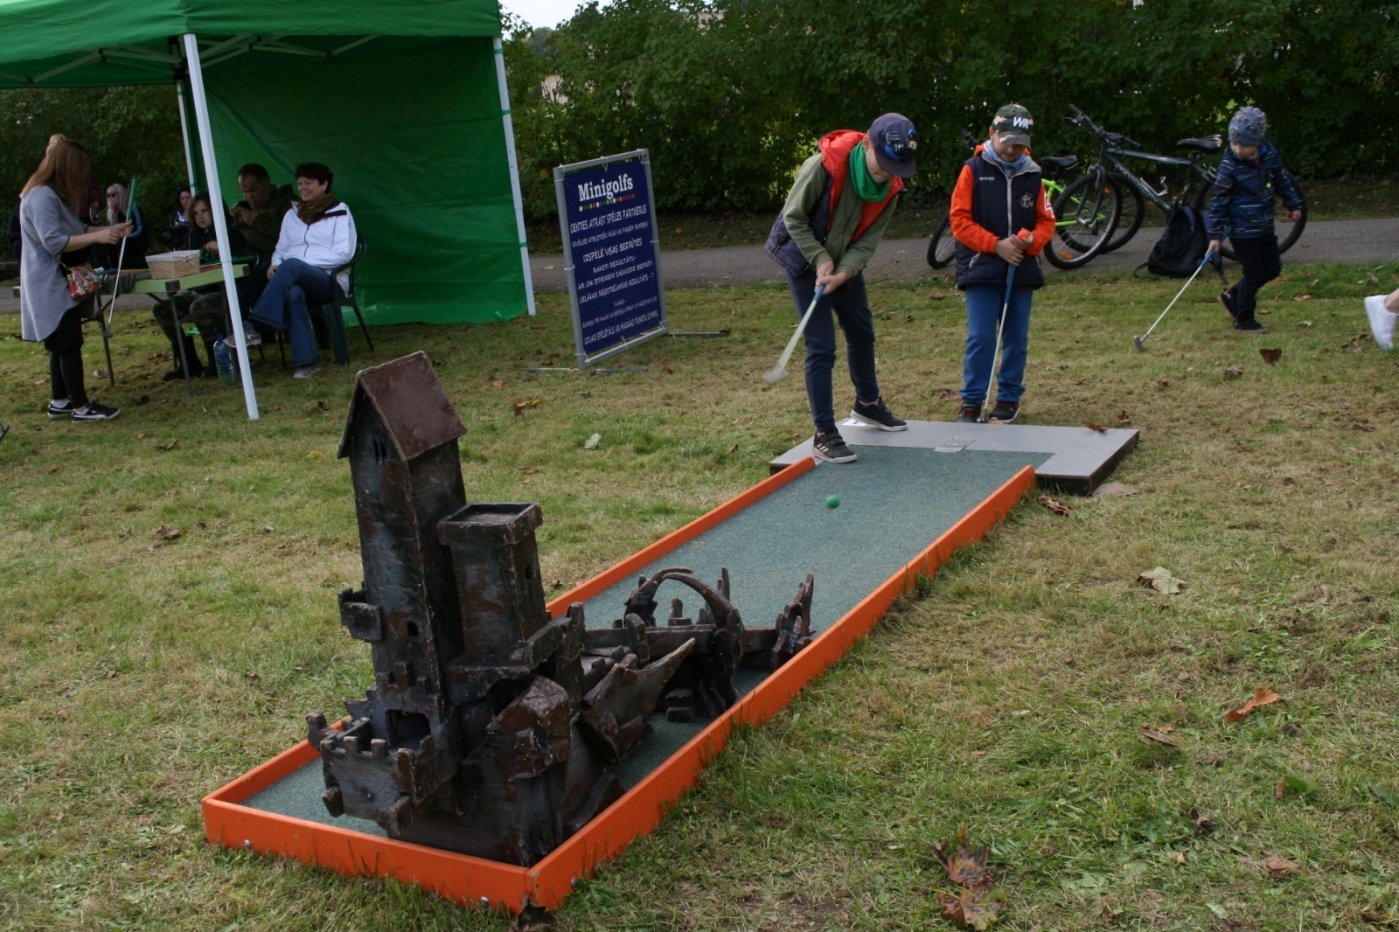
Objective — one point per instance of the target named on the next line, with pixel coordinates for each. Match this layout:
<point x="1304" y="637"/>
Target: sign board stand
<point x="612" y="254"/>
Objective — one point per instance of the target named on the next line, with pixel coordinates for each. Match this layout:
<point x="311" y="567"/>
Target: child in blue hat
<point x="1250" y="177"/>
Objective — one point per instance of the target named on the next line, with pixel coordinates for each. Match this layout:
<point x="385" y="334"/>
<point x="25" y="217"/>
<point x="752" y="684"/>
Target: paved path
<point x="904" y="260"/>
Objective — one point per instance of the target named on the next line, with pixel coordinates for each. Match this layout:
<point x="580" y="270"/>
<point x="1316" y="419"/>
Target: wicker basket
<point x="174" y="264"/>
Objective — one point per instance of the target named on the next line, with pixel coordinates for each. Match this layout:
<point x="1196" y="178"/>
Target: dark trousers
<point x="852" y="308"/>
<point x="1261" y="263"/>
<point x="65" y="346"/>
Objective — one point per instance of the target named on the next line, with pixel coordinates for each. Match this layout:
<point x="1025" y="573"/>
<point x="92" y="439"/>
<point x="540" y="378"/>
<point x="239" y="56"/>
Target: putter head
<point x="775" y="375"/>
<point x="1141" y="346"/>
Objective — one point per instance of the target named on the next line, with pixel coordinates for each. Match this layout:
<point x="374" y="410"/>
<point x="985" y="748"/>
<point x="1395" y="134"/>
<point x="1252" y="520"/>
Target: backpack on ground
<point x="1178" y="252"/>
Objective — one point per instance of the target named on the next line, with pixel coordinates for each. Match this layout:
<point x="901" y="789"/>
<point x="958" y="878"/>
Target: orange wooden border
<point x="477" y="881"/>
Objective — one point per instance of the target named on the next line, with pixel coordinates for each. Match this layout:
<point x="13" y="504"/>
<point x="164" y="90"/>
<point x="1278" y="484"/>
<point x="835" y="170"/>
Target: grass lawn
<point x="168" y="589"/>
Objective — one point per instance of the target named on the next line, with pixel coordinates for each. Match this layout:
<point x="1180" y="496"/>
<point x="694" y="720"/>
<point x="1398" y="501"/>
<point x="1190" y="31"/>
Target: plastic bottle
<point x="223" y="360"/>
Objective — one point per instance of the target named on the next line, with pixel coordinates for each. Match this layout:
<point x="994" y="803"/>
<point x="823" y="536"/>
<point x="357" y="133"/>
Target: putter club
<point x="1000" y="325"/>
<point x="1141" y="340"/>
<point x="779" y="371"/>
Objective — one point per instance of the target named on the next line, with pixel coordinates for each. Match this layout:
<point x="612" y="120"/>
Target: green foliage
<point x="132" y="132"/>
<point x="730" y="95"/>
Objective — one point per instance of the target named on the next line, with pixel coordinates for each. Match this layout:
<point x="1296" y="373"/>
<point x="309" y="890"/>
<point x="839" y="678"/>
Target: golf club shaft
<point x="1203" y="263"/>
<point x="1000" y="325"/>
<point x="801" y="328"/>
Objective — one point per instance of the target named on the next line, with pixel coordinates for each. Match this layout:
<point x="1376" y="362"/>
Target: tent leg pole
<point x="184" y="130"/>
<point x="211" y="178"/>
<point x="514" y="170"/>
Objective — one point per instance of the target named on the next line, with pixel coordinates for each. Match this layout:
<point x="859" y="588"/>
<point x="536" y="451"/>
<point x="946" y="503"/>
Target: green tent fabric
<point x="399" y="98"/>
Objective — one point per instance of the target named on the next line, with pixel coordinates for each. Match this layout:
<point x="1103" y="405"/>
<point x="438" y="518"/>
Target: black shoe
<point x="1004" y="412"/>
<point x="58" y="412"/>
<point x="831" y="448"/>
<point x="174" y="375"/>
<point x="210" y="371"/>
<point x="1250" y="326"/>
<point x="878" y="415"/>
<point x="1226" y="301"/>
<point x="969" y="414"/>
<point x="96" y="412"/>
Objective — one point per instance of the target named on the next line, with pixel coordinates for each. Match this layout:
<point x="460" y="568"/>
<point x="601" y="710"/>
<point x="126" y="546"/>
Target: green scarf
<point x="860" y="175"/>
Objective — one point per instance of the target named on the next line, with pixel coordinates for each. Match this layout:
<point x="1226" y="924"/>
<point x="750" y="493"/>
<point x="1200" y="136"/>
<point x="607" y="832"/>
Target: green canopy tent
<point x="404" y="99"/>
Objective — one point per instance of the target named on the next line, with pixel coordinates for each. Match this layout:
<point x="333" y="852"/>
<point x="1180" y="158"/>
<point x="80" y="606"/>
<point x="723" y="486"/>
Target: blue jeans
<point x="852" y="309"/>
<point x="284" y="306"/>
<point x="984" y="304"/>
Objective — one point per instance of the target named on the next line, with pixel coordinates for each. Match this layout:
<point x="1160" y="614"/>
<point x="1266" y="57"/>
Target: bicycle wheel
<point x="1131" y="209"/>
<point x="943" y="246"/>
<point x="1087" y="217"/>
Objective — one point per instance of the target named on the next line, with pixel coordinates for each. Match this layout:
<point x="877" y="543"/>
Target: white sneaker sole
<point x="866" y="422"/>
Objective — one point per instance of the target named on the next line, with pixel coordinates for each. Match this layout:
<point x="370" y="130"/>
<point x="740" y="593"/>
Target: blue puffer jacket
<point x="1244" y="194"/>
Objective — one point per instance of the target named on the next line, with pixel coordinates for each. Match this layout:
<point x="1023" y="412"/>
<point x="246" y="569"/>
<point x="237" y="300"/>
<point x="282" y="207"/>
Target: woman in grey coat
<point x="54" y="237"/>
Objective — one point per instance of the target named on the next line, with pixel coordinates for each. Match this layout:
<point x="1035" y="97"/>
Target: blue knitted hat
<point x="1248" y="126"/>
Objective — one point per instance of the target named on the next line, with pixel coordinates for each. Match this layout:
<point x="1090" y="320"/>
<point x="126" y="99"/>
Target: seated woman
<point x="318" y="236"/>
<point x="179" y="220"/>
<point x="200" y="235"/>
<point x="134" y="256"/>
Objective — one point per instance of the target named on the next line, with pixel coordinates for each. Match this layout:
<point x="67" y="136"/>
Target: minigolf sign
<point x="611" y="253"/>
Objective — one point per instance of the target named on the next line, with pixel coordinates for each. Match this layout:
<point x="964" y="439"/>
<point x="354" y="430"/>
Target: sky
<point x="543" y="12"/>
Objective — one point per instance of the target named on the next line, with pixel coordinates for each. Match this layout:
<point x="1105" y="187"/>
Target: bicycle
<point x="1109" y="177"/>
<point x="943" y="246"/>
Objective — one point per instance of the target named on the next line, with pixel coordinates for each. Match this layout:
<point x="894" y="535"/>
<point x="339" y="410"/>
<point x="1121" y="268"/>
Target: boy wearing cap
<point x="827" y="232"/>
<point x="998" y="196"/>
<point x="1250" y="176"/>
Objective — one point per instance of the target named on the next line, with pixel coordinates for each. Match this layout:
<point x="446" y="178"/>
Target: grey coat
<point x="46" y="223"/>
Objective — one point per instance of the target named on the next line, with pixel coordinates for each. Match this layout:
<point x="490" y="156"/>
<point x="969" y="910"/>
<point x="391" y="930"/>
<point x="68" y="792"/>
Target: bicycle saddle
<point x="1058" y="161"/>
<point x="1206" y="144"/>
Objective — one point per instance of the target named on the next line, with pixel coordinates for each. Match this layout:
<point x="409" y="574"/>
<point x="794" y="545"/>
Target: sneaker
<point x="831" y="448"/>
<point x="58" y="412"/>
<point x="1250" y="326"/>
<point x="250" y="334"/>
<point x="305" y="372"/>
<point x="1226" y="301"/>
<point x="96" y="412"/>
<point x="969" y="414"/>
<point x="1004" y="412"/>
<point x="878" y="415"/>
<point x="1382" y="322"/>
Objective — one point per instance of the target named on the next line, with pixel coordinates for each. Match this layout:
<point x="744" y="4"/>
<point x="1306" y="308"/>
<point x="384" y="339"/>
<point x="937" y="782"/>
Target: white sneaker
<point x="305" y="372"/>
<point x="1382" y="322"/>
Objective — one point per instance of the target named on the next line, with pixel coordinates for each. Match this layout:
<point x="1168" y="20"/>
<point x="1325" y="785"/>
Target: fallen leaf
<point x="1122" y="418"/>
<point x="1261" y="697"/>
<point x="1180" y="857"/>
<point x="1153" y="734"/>
<point x="520" y="407"/>
<point x="1096" y="427"/>
<point x="947" y="394"/>
<point x="250" y="676"/>
<point x="267" y="529"/>
<point x="1234" y="372"/>
<point x="1113" y="489"/>
<point x="1304" y="323"/>
<point x="976" y="907"/>
<point x="731" y="450"/>
<point x="937" y="295"/>
<point x="665" y="366"/>
<point x="1279" y="866"/>
<point x="1270" y="355"/>
<point x="322" y="406"/>
<point x="1203" y="824"/>
<point x="592" y="442"/>
<point x="1161" y="580"/>
<point x="99" y="373"/>
<point x="1354" y="345"/>
<point x="166" y="532"/>
<point x="315" y="455"/>
<point x="1162" y="382"/>
<point x="1301" y="296"/>
<point x="167" y="447"/>
<point x="1056" y="506"/>
<point x="965" y="866"/>
<point x="497" y="383"/>
<point x="1280" y="790"/>
<point x="143" y="400"/>
<point x="52" y="470"/>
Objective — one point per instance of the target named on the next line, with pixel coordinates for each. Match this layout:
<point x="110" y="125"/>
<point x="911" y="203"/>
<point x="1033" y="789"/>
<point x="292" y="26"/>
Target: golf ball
<point x="832" y="501"/>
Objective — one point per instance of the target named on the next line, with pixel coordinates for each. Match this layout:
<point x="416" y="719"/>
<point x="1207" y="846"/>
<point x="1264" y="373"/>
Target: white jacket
<point x="326" y="244"/>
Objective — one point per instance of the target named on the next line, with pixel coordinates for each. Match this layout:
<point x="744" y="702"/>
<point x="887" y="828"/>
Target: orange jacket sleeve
<point x="967" y="231"/>
<point x="1044" y="224"/>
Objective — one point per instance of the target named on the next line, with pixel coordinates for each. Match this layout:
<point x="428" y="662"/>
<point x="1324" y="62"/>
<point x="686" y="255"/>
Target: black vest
<point x="1004" y="206"/>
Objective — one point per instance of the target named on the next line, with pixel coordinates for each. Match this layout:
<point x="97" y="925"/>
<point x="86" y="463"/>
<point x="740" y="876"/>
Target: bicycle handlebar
<point x="1116" y="139"/>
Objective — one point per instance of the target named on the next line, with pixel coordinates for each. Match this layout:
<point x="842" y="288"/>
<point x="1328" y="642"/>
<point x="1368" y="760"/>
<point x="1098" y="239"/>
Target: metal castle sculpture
<point x="491" y="727"/>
